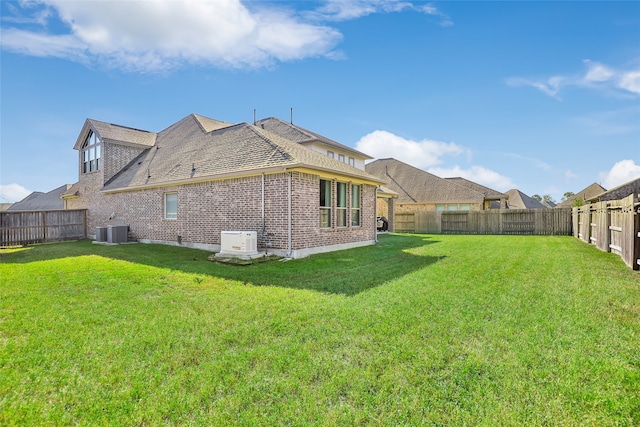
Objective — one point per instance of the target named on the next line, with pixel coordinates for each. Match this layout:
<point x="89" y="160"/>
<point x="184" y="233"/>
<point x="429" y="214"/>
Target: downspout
<point x="263" y="221"/>
<point x="289" y="214"/>
<point x="375" y="213"/>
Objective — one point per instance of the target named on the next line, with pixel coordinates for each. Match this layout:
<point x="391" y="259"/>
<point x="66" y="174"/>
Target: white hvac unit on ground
<point x="238" y="243"/>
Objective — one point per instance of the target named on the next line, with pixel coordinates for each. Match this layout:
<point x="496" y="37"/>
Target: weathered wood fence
<point x="612" y="226"/>
<point x="23" y="228"/>
<point x="507" y="221"/>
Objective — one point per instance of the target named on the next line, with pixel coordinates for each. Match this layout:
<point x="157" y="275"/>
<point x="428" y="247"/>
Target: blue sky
<point x="539" y="96"/>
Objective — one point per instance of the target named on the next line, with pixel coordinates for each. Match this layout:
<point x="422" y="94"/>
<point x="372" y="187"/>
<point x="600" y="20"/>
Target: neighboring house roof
<point x="5" y="206"/>
<point x="303" y="136"/>
<point x="619" y="192"/>
<point x="488" y="193"/>
<point x="549" y="204"/>
<point x="116" y="134"/>
<point x="186" y="152"/>
<point x="386" y="193"/>
<point x="414" y="185"/>
<point x="519" y="200"/>
<point x="585" y="194"/>
<point x="38" y="201"/>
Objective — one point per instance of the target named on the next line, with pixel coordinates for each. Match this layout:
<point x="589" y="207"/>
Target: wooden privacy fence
<point x="612" y="226"/>
<point x="504" y="221"/>
<point x="23" y="228"/>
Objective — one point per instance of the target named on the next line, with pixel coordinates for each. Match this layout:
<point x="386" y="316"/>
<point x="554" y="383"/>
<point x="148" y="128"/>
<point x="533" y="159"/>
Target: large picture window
<point x="170" y="205"/>
<point x="325" y="203"/>
<point x="341" y="204"/>
<point x="91" y="153"/>
<point x="355" y="205"/>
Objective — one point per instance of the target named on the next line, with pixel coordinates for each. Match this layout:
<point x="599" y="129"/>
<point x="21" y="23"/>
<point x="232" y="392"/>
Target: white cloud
<point x="570" y="175"/>
<point x="160" y="35"/>
<point x="477" y="174"/>
<point x="421" y="154"/>
<point x="11" y="193"/>
<point x="597" y="76"/>
<point x="622" y="172"/>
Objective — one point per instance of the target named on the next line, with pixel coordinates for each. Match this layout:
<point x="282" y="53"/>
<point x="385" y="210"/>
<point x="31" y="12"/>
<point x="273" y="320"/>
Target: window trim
<point x="91" y="153"/>
<point x="341" y="157"/>
<point x="328" y="203"/>
<point x="174" y="215"/>
<point x="342" y="206"/>
<point x="356" y="209"/>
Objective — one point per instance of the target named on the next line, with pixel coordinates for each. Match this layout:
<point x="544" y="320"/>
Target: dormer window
<point x="91" y="153"/>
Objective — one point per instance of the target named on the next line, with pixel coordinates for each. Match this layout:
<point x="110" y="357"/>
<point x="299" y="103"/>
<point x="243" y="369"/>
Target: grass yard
<point x="417" y="330"/>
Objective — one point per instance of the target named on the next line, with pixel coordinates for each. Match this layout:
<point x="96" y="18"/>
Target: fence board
<point x="613" y="226"/>
<point x="523" y="221"/>
<point x="23" y="228"/>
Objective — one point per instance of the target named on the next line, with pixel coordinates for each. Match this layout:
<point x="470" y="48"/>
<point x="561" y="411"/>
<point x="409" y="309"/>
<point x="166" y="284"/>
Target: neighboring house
<point x="5" y="206"/>
<point x="519" y="200"/>
<point x="583" y="195"/>
<point x="548" y="204"/>
<point x="199" y="177"/>
<point x="39" y="201"/>
<point x="418" y="190"/>
<point x="492" y="199"/>
<point x="619" y="192"/>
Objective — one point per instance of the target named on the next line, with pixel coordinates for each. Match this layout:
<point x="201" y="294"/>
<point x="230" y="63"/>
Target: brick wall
<point x="116" y="157"/>
<point x="206" y="209"/>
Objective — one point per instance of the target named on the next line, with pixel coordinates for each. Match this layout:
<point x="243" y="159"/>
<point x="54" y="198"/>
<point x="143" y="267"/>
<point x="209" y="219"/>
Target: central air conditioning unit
<point x="239" y="243"/>
<point x="101" y="234"/>
<point x="117" y="233"/>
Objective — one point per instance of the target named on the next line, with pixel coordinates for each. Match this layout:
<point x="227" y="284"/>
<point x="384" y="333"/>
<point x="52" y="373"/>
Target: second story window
<point x="330" y="154"/>
<point x="352" y="161"/>
<point x="341" y="157"/>
<point x="91" y="153"/>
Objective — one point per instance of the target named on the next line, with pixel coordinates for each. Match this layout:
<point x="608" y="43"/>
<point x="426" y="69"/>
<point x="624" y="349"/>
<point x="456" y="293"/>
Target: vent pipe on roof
<point x="291" y="115"/>
<point x="254" y="116"/>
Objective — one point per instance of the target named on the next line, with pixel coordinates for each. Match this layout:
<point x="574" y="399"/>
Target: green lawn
<point x="417" y="330"/>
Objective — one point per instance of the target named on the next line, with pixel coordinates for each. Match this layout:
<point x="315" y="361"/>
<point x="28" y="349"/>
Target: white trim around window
<point x="171" y="205"/>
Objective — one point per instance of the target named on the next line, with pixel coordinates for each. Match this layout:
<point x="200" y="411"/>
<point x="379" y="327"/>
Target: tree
<point x="537" y="197"/>
<point x="548" y="199"/>
<point x="567" y="196"/>
<point x="577" y="202"/>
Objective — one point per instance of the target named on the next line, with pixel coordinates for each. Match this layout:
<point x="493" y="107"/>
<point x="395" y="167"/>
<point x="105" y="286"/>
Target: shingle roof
<point x="487" y="192"/>
<point x="301" y="135"/>
<point x="414" y="185"/>
<point x="116" y="134"/>
<point x="519" y="200"/>
<point x="585" y="194"/>
<point x="39" y="201"/>
<point x="619" y="192"/>
<point x="186" y="152"/>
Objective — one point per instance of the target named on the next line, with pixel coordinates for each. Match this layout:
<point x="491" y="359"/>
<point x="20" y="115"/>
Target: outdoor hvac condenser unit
<point x="101" y="234"/>
<point x="117" y="233"/>
<point x="239" y="243"/>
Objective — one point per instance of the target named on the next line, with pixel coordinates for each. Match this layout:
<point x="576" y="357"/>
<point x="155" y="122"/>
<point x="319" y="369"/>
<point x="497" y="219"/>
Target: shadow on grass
<point x="346" y="272"/>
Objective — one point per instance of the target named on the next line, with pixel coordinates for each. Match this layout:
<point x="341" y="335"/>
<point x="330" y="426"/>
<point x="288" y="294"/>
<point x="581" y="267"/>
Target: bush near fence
<point x="507" y="221"/>
<point x="611" y="226"/>
<point x="23" y="228"/>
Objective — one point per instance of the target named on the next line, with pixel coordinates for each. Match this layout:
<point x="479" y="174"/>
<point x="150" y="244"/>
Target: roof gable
<point x="414" y="185"/>
<point x="116" y="134"/>
<point x="39" y="201"/>
<point x="585" y="194"/>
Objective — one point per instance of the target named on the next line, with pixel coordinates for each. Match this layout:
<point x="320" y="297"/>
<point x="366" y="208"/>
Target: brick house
<point x="301" y="192"/>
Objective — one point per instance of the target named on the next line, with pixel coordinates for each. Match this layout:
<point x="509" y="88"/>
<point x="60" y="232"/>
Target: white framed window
<point x="352" y="161"/>
<point x="170" y="205"/>
<point x="452" y="207"/>
<point x="355" y="205"/>
<point x="440" y="207"/>
<point x="341" y="157"/>
<point x="341" y="204"/>
<point x="465" y="207"/>
<point x="325" y="203"/>
<point x="91" y="153"/>
<point x="330" y="154"/>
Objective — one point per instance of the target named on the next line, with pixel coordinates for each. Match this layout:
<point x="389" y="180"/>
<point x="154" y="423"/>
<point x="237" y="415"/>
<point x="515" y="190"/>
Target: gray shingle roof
<point x="487" y="192"/>
<point x="117" y="134"/>
<point x="414" y="185"/>
<point x="186" y="152"/>
<point x="303" y="136"/>
<point x="585" y="194"/>
<point x="519" y="200"/>
<point x="39" y="201"/>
